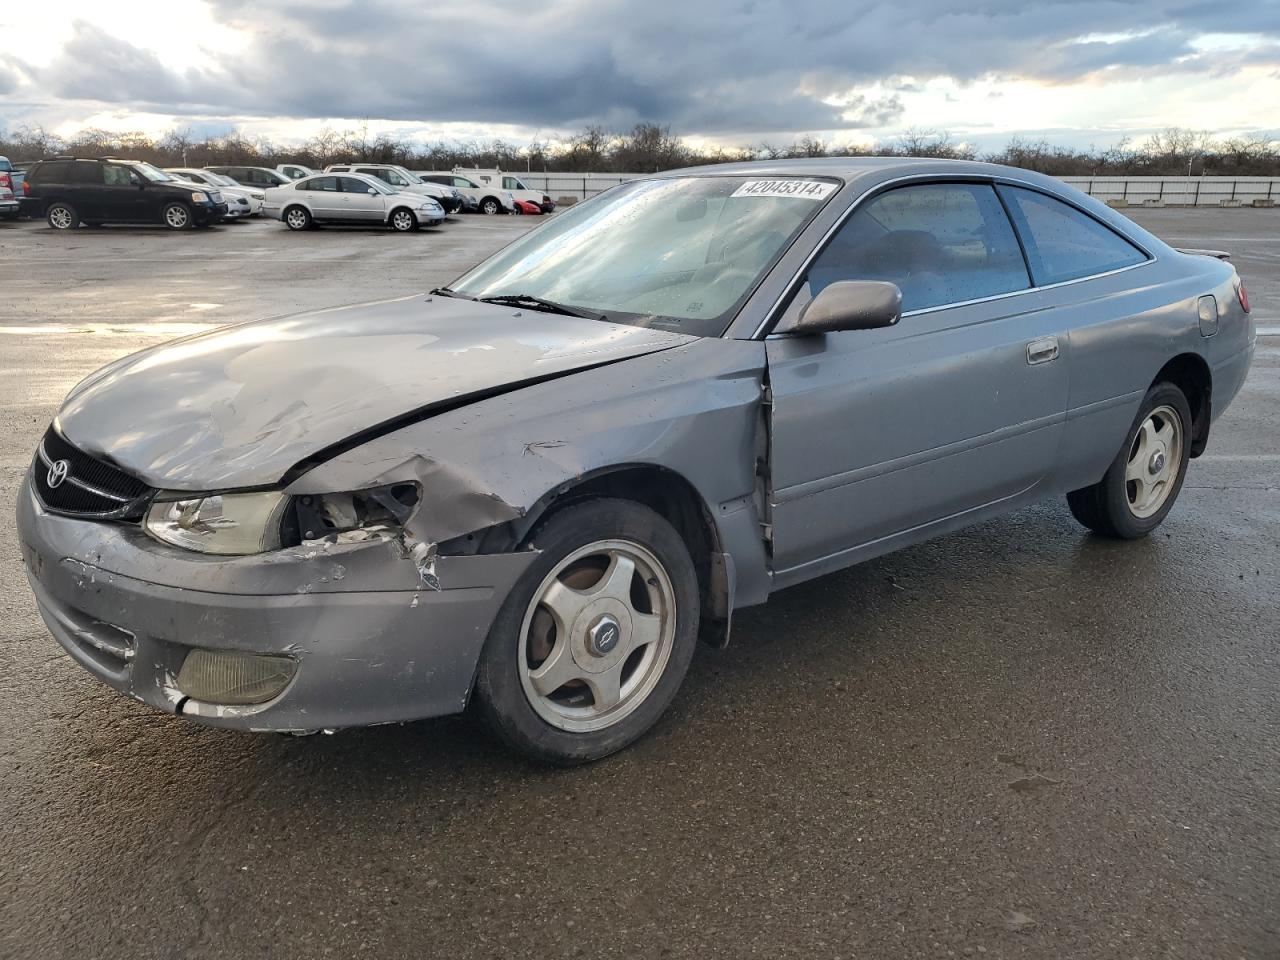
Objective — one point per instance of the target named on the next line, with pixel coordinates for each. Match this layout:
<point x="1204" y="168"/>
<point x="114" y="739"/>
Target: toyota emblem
<point x="58" y="471"/>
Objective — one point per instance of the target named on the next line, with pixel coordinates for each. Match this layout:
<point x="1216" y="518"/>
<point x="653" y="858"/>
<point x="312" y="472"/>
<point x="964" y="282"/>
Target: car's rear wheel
<point x="62" y="216"/>
<point x="592" y="643"/>
<point x="490" y="205"/>
<point x="297" y="218"/>
<point x="1143" y="482"/>
<point x="177" y="216"/>
<point x="403" y="220"/>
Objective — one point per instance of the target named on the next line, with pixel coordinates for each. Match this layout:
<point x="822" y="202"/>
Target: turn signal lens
<point x="231" y="677"/>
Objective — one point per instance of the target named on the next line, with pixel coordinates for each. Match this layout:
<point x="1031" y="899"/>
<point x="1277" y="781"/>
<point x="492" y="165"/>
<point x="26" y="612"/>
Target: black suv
<point x="69" y="191"/>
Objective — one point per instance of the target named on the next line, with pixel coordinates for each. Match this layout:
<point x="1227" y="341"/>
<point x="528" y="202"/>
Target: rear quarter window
<point x="1064" y="243"/>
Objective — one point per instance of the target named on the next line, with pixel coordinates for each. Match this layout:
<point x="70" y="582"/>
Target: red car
<point x="528" y="206"/>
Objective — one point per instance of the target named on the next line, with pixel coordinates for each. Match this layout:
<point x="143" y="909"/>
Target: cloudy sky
<point x="727" y="71"/>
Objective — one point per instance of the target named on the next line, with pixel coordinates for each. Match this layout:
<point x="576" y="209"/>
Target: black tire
<point x="1105" y="507"/>
<point x="500" y="693"/>
<point x="490" y="206"/>
<point x="403" y="220"/>
<point x="177" y="216"/>
<point x="297" y="218"/>
<point x="62" y="216"/>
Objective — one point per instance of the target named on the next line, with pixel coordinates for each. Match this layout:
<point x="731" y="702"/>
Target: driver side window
<point x="940" y="243"/>
<point x="117" y="176"/>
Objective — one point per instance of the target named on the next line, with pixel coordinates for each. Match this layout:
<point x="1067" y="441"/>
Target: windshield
<point x="221" y="180"/>
<point x="680" y="253"/>
<point x="5" y="166"/>
<point x="408" y="175"/>
<point x="152" y="173"/>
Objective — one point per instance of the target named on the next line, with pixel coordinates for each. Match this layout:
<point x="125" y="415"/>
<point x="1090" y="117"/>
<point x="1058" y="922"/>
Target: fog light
<point x="226" y="676"/>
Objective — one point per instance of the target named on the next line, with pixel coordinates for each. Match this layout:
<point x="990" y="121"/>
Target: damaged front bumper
<point x="371" y="643"/>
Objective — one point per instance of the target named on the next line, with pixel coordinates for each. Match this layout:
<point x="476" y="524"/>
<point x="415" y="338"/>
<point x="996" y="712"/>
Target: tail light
<point x="5" y="181"/>
<point x="1242" y="297"/>
<point x="26" y="188"/>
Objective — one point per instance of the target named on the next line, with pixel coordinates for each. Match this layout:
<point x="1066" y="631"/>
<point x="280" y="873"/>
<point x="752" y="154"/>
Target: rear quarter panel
<point x="1124" y="329"/>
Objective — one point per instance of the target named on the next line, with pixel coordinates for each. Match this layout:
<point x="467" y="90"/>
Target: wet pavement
<point x="1015" y="741"/>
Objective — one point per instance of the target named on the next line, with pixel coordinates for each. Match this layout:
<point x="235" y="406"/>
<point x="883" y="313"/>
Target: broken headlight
<point x="380" y="508"/>
<point x="225" y="523"/>
<point x="236" y="524"/>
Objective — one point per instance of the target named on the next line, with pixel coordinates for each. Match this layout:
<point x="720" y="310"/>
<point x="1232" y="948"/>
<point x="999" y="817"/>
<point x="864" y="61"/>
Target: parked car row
<point x="484" y="191"/>
<point x="69" y="191"/>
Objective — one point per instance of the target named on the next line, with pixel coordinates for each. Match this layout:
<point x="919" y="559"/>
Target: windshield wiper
<point x="446" y="292"/>
<point x="537" y="303"/>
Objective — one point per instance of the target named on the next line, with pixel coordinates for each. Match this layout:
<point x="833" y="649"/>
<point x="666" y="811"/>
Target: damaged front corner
<point x="424" y="556"/>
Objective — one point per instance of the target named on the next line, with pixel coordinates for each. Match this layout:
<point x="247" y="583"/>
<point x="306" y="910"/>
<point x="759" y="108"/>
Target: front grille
<point x="86" y="486"/>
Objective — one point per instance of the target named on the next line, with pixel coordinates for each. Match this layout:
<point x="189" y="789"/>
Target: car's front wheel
<point x="62" y="216"/>
<point x="403" y="220"/>
<point x="592" y="643"/>
<point x="1140" y="487"/>
<point x="490" y="206"/>
<point x="177" y="216"/>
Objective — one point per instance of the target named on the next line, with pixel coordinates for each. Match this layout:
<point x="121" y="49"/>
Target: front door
<point x="878" y="435"/>
<point x="359" y="203"/>
<point x="125" y="195"/>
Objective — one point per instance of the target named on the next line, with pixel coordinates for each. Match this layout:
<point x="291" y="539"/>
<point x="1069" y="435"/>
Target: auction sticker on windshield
<point x="809" y="189"/>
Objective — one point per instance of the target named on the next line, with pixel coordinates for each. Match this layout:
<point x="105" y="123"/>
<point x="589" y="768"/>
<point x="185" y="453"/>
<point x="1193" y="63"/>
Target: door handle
<point x="1042" y="351"/>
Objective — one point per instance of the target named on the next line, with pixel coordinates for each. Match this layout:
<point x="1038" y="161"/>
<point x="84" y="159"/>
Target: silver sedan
<point x="349" y="198"/>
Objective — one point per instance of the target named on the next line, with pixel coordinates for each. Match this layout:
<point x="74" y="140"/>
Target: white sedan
<point x="349" y="198"/>
<point x="241" y="201"/>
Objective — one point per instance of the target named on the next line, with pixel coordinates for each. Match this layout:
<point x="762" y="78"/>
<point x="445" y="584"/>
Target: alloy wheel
<point x="597" y="635"/>
<point x="61" y="218"/>
<point x="1154" y="460"/>
<point x="176" y="216"/>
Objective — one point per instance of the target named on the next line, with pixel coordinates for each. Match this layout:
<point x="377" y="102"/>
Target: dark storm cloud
<point x="710" y="66"/>
<point x="94" y="65"/>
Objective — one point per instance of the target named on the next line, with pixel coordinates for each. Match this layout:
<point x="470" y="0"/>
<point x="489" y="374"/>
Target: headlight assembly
<point x="224" y="523"/>
<point x="236" y="524"/>
<point x="199" y="196"/>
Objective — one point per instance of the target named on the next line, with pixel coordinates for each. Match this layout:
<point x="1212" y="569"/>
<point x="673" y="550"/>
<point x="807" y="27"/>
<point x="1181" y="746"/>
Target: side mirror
<point x="848" y="305"/>
<point x="372" y="192"/>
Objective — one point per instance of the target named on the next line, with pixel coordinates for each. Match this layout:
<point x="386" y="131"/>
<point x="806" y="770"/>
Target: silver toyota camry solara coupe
<point x="535" y="490"/>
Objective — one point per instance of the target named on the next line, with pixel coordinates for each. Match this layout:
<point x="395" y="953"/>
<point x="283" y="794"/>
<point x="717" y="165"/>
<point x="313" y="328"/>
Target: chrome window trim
<point x="773" y="314"/>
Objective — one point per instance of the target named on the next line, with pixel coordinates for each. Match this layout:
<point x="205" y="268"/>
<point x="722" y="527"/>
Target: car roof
<point x="851" y="168"/>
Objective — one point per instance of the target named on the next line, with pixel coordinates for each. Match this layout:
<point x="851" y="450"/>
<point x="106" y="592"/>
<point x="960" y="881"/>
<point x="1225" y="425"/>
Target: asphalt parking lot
<point x="1015" y="741"/>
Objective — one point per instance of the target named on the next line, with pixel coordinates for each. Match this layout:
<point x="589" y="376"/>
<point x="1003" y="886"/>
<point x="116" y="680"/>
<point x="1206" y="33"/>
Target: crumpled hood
<point x="240" y="406"/>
